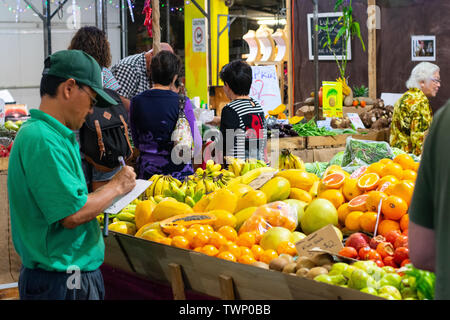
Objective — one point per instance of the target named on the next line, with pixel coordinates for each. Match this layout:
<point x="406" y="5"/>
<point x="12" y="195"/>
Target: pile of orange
<point x="387" y="184"/>
<point x="225" y="243"/>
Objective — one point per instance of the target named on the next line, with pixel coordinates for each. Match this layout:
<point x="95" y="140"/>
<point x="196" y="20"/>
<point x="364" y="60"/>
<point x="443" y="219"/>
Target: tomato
<point x="379" y="263"/>
<point x="401" y="254"/>
<point x="389" y="261"/>
<point x="373" y="255"/>
<point x="349" y="252"/>
<point x="385" y="249"/>
<point x="364" y="253"/>
<point x="392" y="235"/>
<point x="405" y="262"/>
<point x="401" y="241"/>
<point x="363" y="103"/>
<point x="355" y="103"/>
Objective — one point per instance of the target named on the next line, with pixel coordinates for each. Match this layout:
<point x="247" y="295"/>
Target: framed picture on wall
<point x="423" y="48"/>
<point x="324" y="52"/>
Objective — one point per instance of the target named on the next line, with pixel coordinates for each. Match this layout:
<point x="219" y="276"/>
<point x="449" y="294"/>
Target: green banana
<point x="177" y="193"/>
<point x="125" y="216"/>
<point x="190" y="191"/>
<point x="189" y="201"/>
<point x="245" y="168"/>
<point x="198" y="195"/>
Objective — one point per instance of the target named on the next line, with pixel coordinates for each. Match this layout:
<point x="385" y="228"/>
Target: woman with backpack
<point x="154" y="115"/>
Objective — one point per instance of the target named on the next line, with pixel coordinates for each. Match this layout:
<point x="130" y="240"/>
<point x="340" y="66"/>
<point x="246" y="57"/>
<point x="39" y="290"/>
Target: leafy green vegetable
<point x="318" y="168"/>
<point x="365" y="152"/>
<point x="337" y="159"/>
<point x="310" y="128"/>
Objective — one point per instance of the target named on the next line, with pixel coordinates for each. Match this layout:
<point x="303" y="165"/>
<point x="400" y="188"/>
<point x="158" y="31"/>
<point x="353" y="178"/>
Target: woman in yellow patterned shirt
<point x="412" y="112"/>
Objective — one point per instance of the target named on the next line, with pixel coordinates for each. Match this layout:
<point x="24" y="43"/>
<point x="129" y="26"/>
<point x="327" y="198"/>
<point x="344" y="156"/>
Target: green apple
<point x="348" y="272"/>
<point x="388" y="269"/>
<point x="365" y="265"/>
<point x="390" y="290"/>
<point x="391" y="279"/>
<point x="369" y="290"/>
<point x="324" y="278"/>
<point x="386" y="296"/>
<point x="338" y="268"/>
<point x="409" y="293"/>
<point x="338" y="279"/>
<point x="360" y="279"/>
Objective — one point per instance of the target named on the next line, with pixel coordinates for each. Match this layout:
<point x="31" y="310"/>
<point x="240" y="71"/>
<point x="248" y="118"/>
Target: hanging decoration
<point x="130" y="6"/>
<point x="148" y="17"/>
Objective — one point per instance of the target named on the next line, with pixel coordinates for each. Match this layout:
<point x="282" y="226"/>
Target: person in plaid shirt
<point x="133" y="73"/>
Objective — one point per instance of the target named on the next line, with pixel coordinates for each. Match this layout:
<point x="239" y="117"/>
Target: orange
<point x="231" y="247"/>
<point x="177" y="230"/>
<point x="415" y="166"/>
<point x="404" y="190"/>
<point x="358" y="203"/>
<point x="200" y="240"/>
<point x="208" y="229"/>
<point x="198" y="249"/>
<point x="368" y="181"/>
<point x="167" y="241"/>
<point x="343" y="211"/>
<point x="387" y="225"/>
<point x="226" y="256"/>
<point x="405" y="161"/>
<point x="388" y="188"/>
<point x="409" y="175"/>
<point x="246" y="239"/>
<point x="389" y="178"/>
<point x="210" y="250"/>
<point x="358" y="172"/>
<point x="246" y="259"/>
<point x="268" y="255"/>
<point x="198" y="227"/>
<point x="350" y="189"/>
<point x="393" y="169"/>
<point x="287" y="247"/>
<point x="180" y="242"/>
<point x="352" y="222"/>
<point x="228" y="232"/>
<point x="257" y="251"/>
<point x="217" y="240"/>
<point x="334" y="196"/>
<point x="394" y="208"/>
<point x="373" y="200"/>
<point x="367" y="221"/>
<point x="334" y="180"/>
<point x="375" y="167"/>
<point x="244" y="251"/>
<point x="404" y="221"/>
<point x="385" y="161"/>
<point x="190" y="234"/>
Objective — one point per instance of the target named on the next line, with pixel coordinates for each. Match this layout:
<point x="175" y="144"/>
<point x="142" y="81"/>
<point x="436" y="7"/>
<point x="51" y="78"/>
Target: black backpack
<point x="104" y="135"/>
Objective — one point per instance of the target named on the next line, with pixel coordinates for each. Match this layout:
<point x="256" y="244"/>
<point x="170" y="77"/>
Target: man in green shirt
<point x="429" y="213"/>
<point x="53" y="218"/>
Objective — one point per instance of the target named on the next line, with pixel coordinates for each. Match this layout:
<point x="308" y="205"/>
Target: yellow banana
<point x="209" y="185"/>
<point x="151" y="190"/>
<point x="159" y="186"/>
<point x="189" y="201"/>
<point x="216" y="167"/>
<point x="252" y="175"/>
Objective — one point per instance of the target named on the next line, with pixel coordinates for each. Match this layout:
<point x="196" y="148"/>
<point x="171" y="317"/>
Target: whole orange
<point x="404" y="221"/>
<point x="228" y="232"/>
<point x="246" y="259"/>
<point x="393" y="169"/>
<point x="210" y="250"/>
<point x="373" y="200"/>
<point x="405" y="161"/>
<point x="246" y="239"/>
<point x="268" y="255"/>
<point x="387" y="225"/>
<point x="334" y="196"/>
<point x="180" y="242"/>
<point x="226" y="256"/>
<point x="367" y="221"/>
<point x="287" y="247"/>
<point x="352" y="222"/>
<point x="409" y="175"/>
<point x="257" y="251"/>
<point x="394" y="208"/>
<point x="343" y="211"/>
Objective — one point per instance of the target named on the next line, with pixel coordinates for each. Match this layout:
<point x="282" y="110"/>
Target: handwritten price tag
<point x="325" y="238"/>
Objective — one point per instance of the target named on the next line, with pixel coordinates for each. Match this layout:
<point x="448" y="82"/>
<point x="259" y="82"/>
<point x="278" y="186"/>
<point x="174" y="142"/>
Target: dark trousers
<point x="39" y="284"/>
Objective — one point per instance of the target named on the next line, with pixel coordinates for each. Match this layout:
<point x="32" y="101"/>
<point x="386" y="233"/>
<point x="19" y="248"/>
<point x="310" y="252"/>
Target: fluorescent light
<point x="271" y="21"/>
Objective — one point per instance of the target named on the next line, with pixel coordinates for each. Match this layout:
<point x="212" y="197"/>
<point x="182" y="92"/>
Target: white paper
<point x="390" y="98"/>
<point x="356" y="120"/>
<point x="122" y="201"/>
<point x="265" y="87"/>
<point x="325" y="124"/>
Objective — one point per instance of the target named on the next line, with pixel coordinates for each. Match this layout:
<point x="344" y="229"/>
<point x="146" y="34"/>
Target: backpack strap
<point x="101" y="145"/>
<point x="125" y="126"/>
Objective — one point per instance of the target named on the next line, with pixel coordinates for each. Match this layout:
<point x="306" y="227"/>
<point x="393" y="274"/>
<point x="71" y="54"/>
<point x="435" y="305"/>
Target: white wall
<point x="22" y="43"/>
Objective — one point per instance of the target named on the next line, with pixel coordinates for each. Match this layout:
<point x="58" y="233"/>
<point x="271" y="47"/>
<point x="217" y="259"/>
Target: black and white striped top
<point x="243" y="120"/>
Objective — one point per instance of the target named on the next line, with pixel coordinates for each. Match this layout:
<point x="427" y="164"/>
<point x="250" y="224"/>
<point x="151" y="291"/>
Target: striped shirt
<point x="244" y="129"/>
<point x="131" y="73"/>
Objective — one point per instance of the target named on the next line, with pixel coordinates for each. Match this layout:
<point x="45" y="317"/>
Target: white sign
<point x="265" y="87"/>
<point x="356" y="120"/>
<point x="198" y="35"/>
<point x="324" y="124"/>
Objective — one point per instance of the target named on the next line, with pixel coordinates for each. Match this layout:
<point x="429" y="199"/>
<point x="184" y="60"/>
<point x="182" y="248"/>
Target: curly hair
<point x="93" y="41"/>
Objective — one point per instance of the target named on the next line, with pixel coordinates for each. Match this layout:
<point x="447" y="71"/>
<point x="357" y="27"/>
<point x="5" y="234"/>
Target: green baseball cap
<point x="78" y="65"/>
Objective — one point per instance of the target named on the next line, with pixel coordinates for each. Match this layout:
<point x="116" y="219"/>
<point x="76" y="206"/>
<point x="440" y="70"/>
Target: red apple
<point x="401" y="241"/>
<point x="357" y="240"/>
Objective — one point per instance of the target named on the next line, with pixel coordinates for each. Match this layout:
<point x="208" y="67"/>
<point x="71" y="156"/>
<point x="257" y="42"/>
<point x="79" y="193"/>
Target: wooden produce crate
<point x="4" y="163"/>
<point x="187" y="269"/>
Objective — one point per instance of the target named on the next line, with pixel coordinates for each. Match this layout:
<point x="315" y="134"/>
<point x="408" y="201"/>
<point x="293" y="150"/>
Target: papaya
<point x="143" y="212"/>
<point x="168" y="208"/>
<point x="200" y="205"/>
<point x="148" y="226"/>
<point x="243" y="215"/>
<point x="277" y="188"/>
<point x="299" y="178"/>
<point x="123" y="227"/>
<point x="223" y="199"/>
<point x="223" y="218"/>
<point x="187" y="220"/>
<point x="253" y="198"/>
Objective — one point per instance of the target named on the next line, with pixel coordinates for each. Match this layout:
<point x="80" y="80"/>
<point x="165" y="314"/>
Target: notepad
<point x="121" y="202"/>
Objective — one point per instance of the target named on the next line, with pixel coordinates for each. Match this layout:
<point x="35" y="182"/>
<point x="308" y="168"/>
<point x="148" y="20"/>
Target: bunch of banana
<point x="345" y="88"/>
<point x="126" y="214"/>
<point x="289" y="161"/>
<point x="160" y="183"/>
<point x="240" y="167"/>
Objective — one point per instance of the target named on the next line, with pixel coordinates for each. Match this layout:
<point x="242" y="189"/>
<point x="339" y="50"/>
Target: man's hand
<point x="124" y="180"/>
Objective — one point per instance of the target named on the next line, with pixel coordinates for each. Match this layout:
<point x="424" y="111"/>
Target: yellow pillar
<point x="196" y="46"/>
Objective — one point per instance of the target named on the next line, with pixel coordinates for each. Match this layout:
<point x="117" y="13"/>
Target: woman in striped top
<point x="242" y="125"/>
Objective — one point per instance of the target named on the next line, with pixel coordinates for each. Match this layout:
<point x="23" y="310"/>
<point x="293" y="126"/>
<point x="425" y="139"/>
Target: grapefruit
<point x="358" y="203"/>
<point x="334" y="180"/>
<point x="318" y="214"/>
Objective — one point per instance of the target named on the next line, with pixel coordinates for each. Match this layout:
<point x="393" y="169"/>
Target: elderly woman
<point x="153" y="116"/>
<point x="412" y="112"/>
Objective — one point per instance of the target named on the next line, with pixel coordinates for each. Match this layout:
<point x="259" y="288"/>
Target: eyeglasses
<point x="93" y="100"/>
<point x="436" y="80"/>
